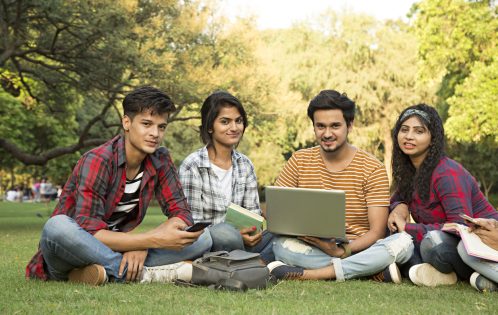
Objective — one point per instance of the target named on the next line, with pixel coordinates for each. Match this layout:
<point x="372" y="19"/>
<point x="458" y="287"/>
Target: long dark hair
<point x="406" y="179"/>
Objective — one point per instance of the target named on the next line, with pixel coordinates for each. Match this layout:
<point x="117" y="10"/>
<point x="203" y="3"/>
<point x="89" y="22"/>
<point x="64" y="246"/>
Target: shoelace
<point x="163" y="273"/>
<point x="293" y="275"/>
<point x="378" y="277"/>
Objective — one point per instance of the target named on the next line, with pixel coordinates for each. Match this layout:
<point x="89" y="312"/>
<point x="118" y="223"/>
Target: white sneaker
<point x="281" y="271"/>
<point x="274" y="264"/>
<point x="390" y="274"/>
<point x="167" y="273"/>
<point x="394" y="273"/>
<point x="426" y="275"/>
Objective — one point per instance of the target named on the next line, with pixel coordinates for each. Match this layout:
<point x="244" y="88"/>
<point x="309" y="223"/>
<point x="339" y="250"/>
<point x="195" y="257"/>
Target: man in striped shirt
<point x="87" y="238"/>
<point x="336" y="164"/>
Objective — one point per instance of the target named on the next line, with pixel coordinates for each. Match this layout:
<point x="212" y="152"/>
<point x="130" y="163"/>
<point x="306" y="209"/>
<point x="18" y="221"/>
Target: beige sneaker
<point x="426" y="275"/>
<point x="91" y="275"/>
<point x="167" y="273"/>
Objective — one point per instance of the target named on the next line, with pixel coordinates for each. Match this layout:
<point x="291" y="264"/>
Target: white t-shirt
<point x="225" y="180"/>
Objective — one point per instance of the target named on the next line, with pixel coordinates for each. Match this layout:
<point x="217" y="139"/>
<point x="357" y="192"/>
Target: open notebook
<point x="472" y="243"/>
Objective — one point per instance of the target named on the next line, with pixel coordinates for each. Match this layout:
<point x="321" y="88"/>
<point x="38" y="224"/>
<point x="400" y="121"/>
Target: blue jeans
<point x="487" y="268"/>
<point x="395" y="248"/>
<point x="226" y="237"/>
<point x="65" y="245"/>
<point x="439" y="249"/>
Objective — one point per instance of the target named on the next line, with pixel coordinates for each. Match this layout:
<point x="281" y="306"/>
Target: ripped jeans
<point x="395" y="248"/>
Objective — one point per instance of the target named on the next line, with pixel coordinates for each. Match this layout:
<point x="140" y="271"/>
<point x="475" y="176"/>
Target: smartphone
<point x="469" y="219"/>
<point x="198" y="226"/>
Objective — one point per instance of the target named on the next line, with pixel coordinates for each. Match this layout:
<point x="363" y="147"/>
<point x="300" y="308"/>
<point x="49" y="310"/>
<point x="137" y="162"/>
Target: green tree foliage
<point x="66" y="65"/>
<point x="458" y="49"/>
<point x="473" y="112"/>
<point x="453" y="36"/>
<point x="54" y="57"/>
<point x="72" y="62"/>
<point x="373" y="62"/>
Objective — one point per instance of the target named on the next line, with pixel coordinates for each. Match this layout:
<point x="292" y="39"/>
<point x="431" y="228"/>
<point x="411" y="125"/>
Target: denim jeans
<point x="415" y="259"/>
<point x="65" y="245"/>
<point x="226" y="237"/>
<point x="395" y="248"/>
<point x="487" y="268"/>
<point x="439" y="249"/>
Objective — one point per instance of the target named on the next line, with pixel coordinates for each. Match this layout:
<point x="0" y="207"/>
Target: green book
<point x="240" y="218"/>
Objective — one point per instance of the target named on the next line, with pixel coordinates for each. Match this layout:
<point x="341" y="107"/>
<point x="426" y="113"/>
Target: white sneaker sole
<point x="473" y="280"/>
<point x="394" y="273"/>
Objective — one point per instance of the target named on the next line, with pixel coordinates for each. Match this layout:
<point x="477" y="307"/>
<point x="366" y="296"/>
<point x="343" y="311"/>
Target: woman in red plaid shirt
<point x="434" y="190"/>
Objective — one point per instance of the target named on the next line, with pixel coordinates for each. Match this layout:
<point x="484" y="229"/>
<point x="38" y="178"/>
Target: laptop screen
<point x="306" y="212"/>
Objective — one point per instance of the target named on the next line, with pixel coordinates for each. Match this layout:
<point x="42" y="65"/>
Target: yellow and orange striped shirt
<point x="364" y="180"/>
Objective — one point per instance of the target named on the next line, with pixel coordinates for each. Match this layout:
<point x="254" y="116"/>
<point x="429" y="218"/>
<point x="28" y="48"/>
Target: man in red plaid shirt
<point x="88" y="237"/>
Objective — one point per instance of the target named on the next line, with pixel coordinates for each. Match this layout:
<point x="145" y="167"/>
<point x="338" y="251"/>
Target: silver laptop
<point x="306" y="212"/>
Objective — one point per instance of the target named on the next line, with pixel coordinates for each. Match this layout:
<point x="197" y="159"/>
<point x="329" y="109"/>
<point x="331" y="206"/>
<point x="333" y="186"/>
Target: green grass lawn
<point x="20" y="230"/>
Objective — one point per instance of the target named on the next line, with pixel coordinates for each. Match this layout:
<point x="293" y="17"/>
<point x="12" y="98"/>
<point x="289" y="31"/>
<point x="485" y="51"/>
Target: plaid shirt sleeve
<point x="395" y="201"/>
<point x="454" y="193"/>
<point x="192" y="186"/>
<point x="169" y="192"/>
<point x="250" y="201"/>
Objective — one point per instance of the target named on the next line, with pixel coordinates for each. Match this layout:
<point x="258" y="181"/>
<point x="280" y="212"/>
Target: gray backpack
<point x="237" y="270"/>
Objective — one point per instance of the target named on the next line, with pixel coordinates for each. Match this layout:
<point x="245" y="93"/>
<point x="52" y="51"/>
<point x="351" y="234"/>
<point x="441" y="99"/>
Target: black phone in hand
<point x="198" y="226"/>
<point x="469" y="219"/>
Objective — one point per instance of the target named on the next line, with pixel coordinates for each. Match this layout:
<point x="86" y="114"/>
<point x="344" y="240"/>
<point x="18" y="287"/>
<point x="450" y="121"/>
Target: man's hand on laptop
<point x="250" y="240"/>
<point x="328" y="246"/>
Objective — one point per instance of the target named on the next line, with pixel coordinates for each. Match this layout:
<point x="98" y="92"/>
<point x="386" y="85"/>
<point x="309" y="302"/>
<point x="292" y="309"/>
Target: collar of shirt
<point x="204" y="158"/>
